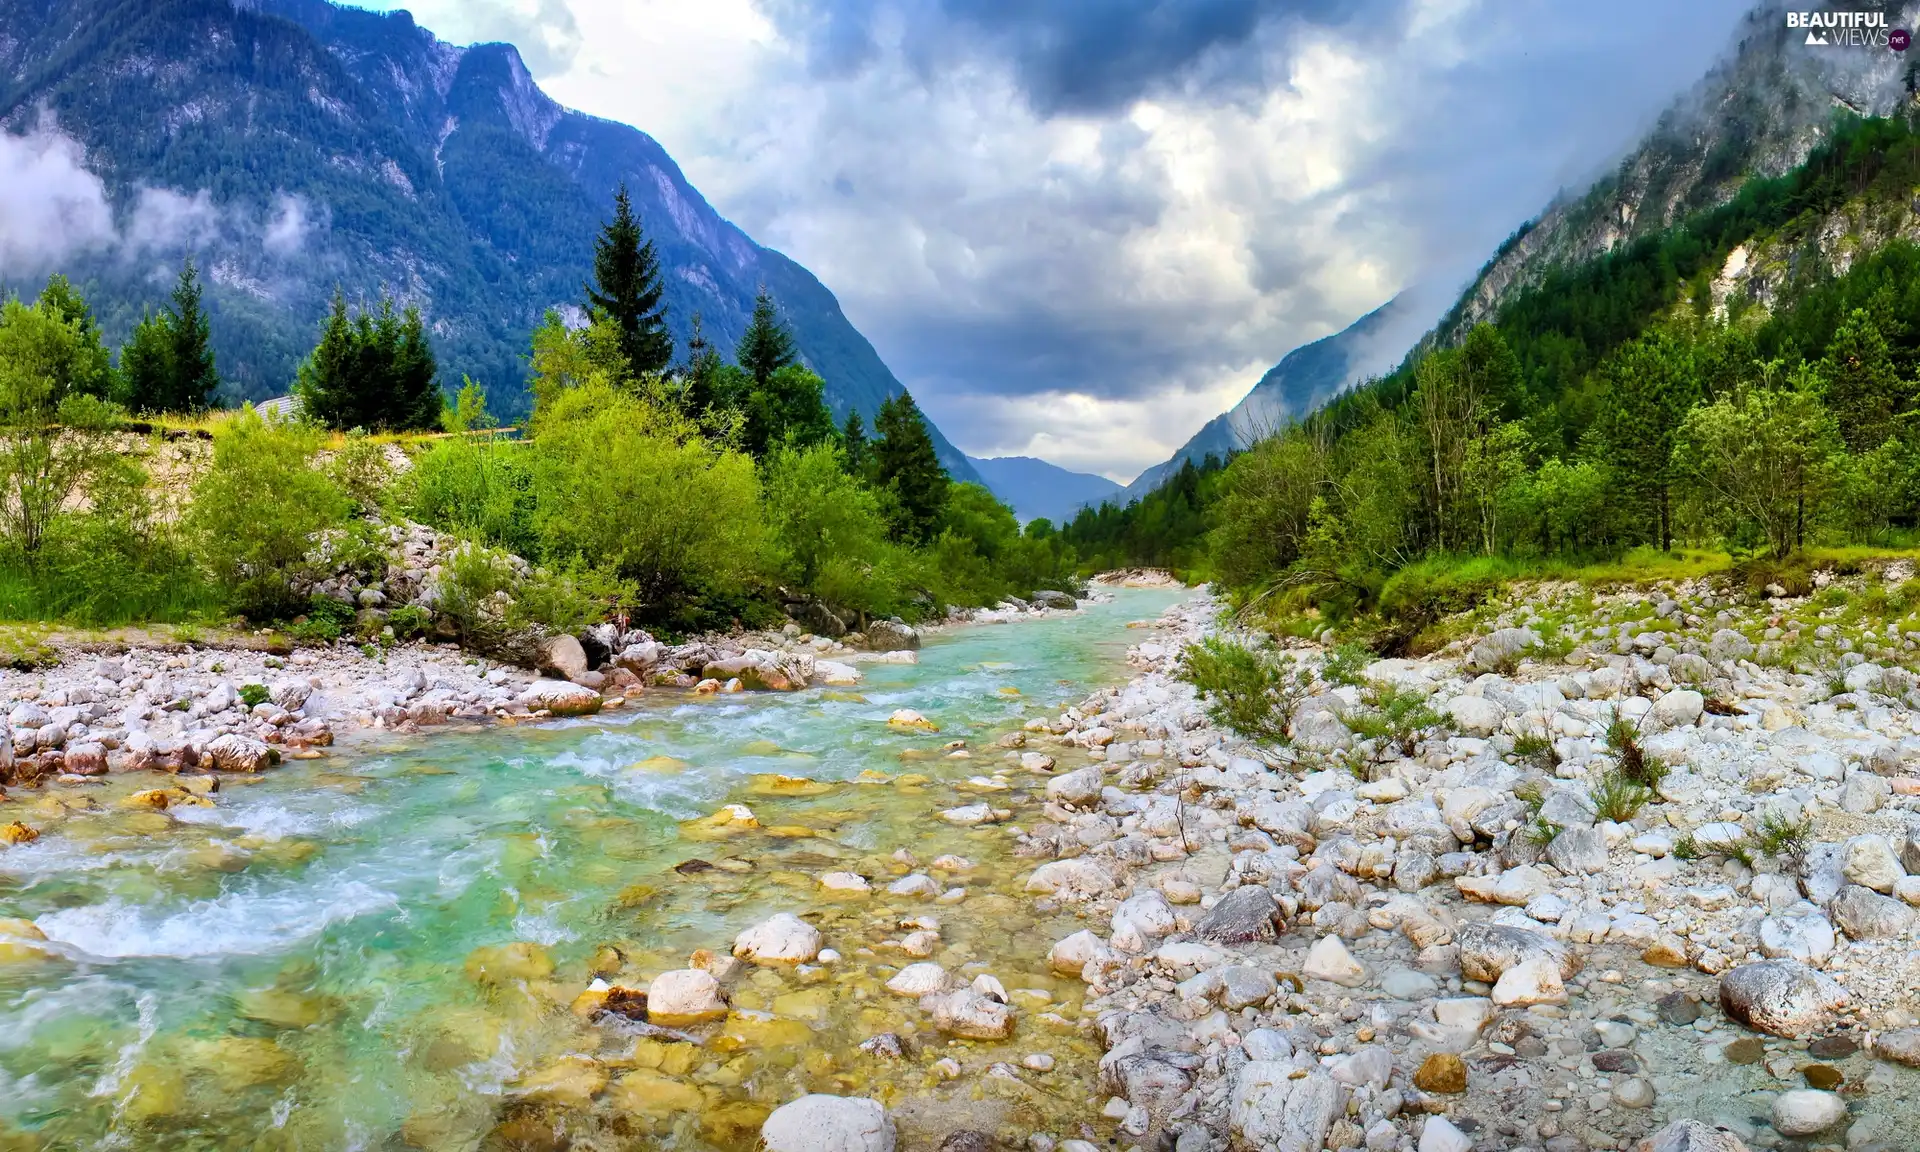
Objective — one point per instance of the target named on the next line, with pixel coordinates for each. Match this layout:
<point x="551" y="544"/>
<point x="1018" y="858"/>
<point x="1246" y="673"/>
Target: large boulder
<point x="819" y="619"/>
<point x="1271" y="1111"/>
<point x="233" y="752"/>
<point x="1782" y="997"/>
<point x="1488" y="950"/>
<point x="891" y="636"/>
<point x="1864" y="914"/>
<point x="822" y="1123"/>
<point x="1244" y="915"/>
<point x="1050" y="599"/>
<point x="968" y="1013"/>
<point x="560" y="698"/>
<point x="1500" y="651"/>
<point x="685" y="996"/>
<point x="1679" y="708"/>
<point x="1807" y="1111"/>
<point x="782" y="939"/>
<point x="564" y="657"/>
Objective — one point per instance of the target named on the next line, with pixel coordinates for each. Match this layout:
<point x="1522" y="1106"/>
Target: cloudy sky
<point x="1078" y="229"/>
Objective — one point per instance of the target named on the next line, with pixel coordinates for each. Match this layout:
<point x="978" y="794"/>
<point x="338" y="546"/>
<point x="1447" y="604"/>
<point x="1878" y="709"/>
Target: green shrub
<point x="1782" y="836"/>
<point x="1425" y="592"/>
<point x="1252" y="692"/>
<point x="488" y="600"/>
<point x="258" y="513"/>
<point x="829" y="534"/>
<point x="1396" y="717"/>
<point x="1617" y="798"/>
<point x="622" y="485"/>
<point x="254" y="695"/>
<point x="1535" y="752"/>
<point x="1347" y="665"/>
<point x="1623" y="738"/>
<point x="325" y="621"/>
<point x="476" y="485"/>
<point x="409" y="622"/>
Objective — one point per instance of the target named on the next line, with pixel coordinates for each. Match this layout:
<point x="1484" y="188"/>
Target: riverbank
<point x="1469" y="933"/>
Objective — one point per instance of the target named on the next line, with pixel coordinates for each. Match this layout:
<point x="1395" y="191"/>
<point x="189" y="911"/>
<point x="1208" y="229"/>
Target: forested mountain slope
<point x="296" y="146"/>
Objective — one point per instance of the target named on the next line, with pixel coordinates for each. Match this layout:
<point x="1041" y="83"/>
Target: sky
<point x="1079" y="229"/>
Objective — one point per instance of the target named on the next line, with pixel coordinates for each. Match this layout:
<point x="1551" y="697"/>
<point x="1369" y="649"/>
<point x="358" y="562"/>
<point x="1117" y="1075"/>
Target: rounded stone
<point x="821" y="1123"/>
<point x="1441" y="1072"/>
<point x="1806" y="1111"/>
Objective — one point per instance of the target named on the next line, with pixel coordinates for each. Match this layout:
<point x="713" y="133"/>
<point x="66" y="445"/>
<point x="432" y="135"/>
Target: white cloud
<point x="51" y="207"/>
<point x="287" y="229"/>
<point x="164" y="221"/>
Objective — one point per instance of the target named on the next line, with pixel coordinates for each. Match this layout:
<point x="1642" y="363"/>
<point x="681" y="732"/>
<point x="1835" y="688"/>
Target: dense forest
<point x="685" y="494"/>
<point x="1625" y="402"/>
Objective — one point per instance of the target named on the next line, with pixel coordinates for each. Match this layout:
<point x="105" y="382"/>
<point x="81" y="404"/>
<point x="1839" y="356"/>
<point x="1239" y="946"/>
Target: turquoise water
<point x="320" y="958"/>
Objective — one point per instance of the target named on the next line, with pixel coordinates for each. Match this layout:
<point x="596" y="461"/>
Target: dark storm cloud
<point x="1072" y="56"/>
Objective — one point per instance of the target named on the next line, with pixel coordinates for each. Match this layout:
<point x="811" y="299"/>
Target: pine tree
<point x="194" y="377"/>
<point x="628" y="291"/>
<point x="371" y="372"/>
<point x="906" y="465"/>
<point x="1653" y="384"/>
<point x="1864" y="389"/>
<point x="167" y="365"/>
<point x="700" y="382"/>
<point x="767" y="345"/>
<point x="853" y="442"/>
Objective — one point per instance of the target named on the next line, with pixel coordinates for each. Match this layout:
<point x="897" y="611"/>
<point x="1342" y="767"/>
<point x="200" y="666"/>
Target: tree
<point x="856" y="452"/>
<point x="1460" y="394"/>
<point x="256" y="511"/>
<point x="1864" y="390"/>
<point x="91" y="370"/>
<point x="53" y="433"/>
<point x="788" y="407"/>
<point x="829" y="533"/>
<point x="168" y="363"/>
<point x="371" y="371"/>
<point x="767" y="345"/>
<point x="907" y="467"/>
<point x="1759" y="459"/>
<point x="1652" y="383"/>
<point x="627" y="290"/>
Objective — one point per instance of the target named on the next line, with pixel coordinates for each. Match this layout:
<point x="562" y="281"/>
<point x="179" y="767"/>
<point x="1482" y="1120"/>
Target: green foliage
<point x="325" y="621"/>
<point x="829" y="536"/>
<point x="1536" y="752"/>
<point x="476" y="482"/>
<point x="627" y="290"/>
<point x="1346" y="664"/>
<point x="629" y="487"/>
<point x="373" y="371"/>
<point x="1395" y="717"/>
<point x="488" y="600"/>
<point x="259" y="511"/>
<point x="1784" y="836"/>
<point x="53" y="434"/>
<point x="169" y="364"/>
<point x="253" y="695"/>
<point x="1864" y="390"/>
<point x="1653" y="383"/>
<point x="409" y="622"/>
<point x="1757" y="460"/>
<point x="767" y="346"/>
<point x="1542" y="831"/>
<point x="1619" y="798"/>
<point x="1630" y="759"/>
<point x="907" y="469"/>
<point x="1166" y="528"/>
<point x="1252" y="691"/>
<point x="789" y="406"/>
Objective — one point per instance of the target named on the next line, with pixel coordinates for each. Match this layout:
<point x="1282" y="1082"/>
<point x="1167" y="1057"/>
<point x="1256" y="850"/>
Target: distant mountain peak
<point x="1036" y="489"/>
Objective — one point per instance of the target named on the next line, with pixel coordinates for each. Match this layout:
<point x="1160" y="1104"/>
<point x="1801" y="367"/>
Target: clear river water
<point x="382" y="949"/>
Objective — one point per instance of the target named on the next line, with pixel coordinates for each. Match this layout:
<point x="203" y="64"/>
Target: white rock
<point x="846" y="882"/>
<point x="1439" y="1135"/>
<point x="917" y="980"/>
<point x="1679" y="708"/>
<point x="1869" y="861"/>
<point x="781" y="939"/>
<point x="828" y="1124"/>
<point x="685" y="996"/>
<point x="1805" y="1111"/>
<point x="1475" y="715"/>
<point x="1329" y="960"/>
<point x="1273" y="1112"/>
<point x="1532" y="982"/>
<point x="1071" y="955"/>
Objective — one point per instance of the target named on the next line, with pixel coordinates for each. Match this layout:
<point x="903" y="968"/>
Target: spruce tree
<point x="767" y="345"/>
<point x="906" y="465"/>
<point x="853" y="440"/>
<point x="194" y="378"/>
<point x="1654" y="383"/>
<point x="628" y="291"/>
<point x="1864" y="390"/>
<point x="371" y="371"/>
<point x="146" y="364"/>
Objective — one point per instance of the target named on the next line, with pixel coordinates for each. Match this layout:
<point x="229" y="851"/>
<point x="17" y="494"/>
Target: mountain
<point x="1759" y="112"/>
<point x="294" y="146"/>
<point x="1305" y="378"/>
<point x="1036" y="489"/>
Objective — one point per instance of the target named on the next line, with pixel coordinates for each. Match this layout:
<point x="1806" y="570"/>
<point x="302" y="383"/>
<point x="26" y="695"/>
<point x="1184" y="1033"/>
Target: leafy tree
<point x="53" y="433"/>
<point x="168" y="364"/>
<point x="371" y="371"/>
<point x="627" y="290"/>
<point x="92" y="366"/>
<point x="1863" y="388"/>
<point x="1651" y="384"/>
<point x="829" y="532"/>
<point x="789" y="407"/>
<point x="1760" y="458"/>
<point x="908" y="469"/>
<point x="258" y="512"/>
<point x="1260" y="520"/>
<point x="767" y="345"/>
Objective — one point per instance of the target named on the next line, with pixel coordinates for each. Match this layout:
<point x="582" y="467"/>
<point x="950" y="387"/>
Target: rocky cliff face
<point x="1758" y="113"/>
<point x="296" y="146"/>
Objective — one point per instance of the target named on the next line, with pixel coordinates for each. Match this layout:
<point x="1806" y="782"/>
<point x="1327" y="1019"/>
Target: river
<point x="379" y="950"/>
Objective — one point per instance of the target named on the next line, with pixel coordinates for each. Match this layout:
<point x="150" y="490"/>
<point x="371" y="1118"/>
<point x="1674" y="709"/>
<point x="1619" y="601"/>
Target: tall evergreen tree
<point x="906" y="465"/>
<point x="767" y="345"/>
<point x="1864" y="390"/>
<point x="701" y="384"/>
<point x="371" y="371"/>
<point x="627" y="289"/>
<point x="853" y="441"/>
<point x="1653" y="384"/>
<point x="168" y="365"/>
<point x="195" y="379"/>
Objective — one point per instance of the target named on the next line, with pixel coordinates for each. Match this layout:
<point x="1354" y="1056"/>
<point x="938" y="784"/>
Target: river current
<point x="383" y="949"/>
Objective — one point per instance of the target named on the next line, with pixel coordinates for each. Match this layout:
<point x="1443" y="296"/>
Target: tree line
<point x="694" y="493"/>
<point x="1626" y="402"/>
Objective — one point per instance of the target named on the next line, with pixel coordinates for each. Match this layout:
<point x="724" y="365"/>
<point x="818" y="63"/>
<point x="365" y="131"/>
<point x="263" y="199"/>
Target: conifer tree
<point x="767" y="345"/>
<point x="906" y="465"/>
<point x="371" y="371"/>
<point x="1654" y="384"/>
<point x="1864" y="390"/>
<point x="628" y="291"/>
<point x="91" y="368"/>
<point x="168" y="363"/>
<point x="853" y="442"/>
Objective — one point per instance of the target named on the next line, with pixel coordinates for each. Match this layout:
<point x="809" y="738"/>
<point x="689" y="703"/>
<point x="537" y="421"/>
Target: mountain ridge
<point x="441" y="172"/>
<point x="1040" y="489"/>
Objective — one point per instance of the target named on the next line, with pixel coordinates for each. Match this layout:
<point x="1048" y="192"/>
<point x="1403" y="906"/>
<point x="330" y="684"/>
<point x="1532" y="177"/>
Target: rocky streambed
<point x="995" y="898"/>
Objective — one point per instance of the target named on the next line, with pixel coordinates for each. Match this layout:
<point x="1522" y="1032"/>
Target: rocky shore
<point x="1458" y="938"/>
